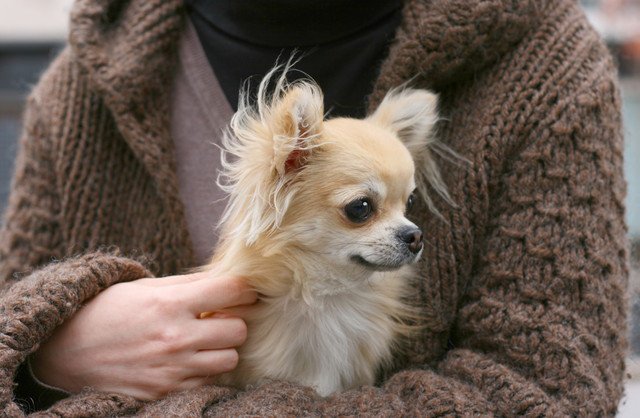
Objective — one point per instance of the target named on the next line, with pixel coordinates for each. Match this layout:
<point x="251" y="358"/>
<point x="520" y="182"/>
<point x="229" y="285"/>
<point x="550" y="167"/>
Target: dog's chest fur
<point x="330" y="342"/>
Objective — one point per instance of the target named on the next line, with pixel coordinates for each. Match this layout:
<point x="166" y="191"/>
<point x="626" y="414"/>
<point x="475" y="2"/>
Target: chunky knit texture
<point x="522" y="287"/>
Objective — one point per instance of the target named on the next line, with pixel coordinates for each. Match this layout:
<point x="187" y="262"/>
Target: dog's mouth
<point x="387" y="266"/>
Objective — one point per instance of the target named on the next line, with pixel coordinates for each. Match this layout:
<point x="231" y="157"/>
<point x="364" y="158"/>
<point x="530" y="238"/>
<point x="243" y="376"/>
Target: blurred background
<point x="33" y="31"/>
<point x="31" y="34"/>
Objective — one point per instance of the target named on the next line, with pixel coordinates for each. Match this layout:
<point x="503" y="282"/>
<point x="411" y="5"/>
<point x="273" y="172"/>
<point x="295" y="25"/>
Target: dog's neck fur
<point x="289" y="271"/>
<point x="318" y="325"/>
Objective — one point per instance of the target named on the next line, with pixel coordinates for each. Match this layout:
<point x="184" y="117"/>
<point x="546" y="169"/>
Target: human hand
<point x="145" y="338"/>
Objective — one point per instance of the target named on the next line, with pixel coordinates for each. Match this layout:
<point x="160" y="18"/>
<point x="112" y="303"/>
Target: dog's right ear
<point x="296" y="121"/>
<point x="264" y="149"/>
<point x="412" y="115"/>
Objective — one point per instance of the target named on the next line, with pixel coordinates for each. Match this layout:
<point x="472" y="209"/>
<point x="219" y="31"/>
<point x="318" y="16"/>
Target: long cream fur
<point x="323" y="320"/>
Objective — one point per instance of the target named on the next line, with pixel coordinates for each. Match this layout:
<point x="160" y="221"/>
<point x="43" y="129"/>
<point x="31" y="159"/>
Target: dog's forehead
<point x="366" y="159"/>
<point x="362" y="143"/>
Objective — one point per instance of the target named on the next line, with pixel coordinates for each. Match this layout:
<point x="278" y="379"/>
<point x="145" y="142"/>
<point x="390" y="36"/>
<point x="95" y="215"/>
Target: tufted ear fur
<point x="297" y="122"/>
<point x="412" y="115"/>
<point x="269" y="143"/>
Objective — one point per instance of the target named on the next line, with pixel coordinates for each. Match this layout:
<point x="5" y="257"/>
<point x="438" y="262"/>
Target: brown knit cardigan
<point x="522" y="286"/>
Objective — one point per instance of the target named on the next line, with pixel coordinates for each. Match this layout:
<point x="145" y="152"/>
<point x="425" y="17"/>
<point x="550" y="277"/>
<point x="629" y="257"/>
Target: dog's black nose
<point x="413" y="238"/>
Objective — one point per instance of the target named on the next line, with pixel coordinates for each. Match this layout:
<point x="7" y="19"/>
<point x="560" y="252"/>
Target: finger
<point x="218" y="333"/>
<point x="243" y="311"/>
<point x="210" y="363"/>
<point x="217" y="293"/>
<point x="180" y="279"/>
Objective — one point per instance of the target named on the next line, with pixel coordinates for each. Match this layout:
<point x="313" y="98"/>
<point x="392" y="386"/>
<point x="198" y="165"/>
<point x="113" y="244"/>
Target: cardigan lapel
<point x="129" y="49"/>
<point x="438" y="44"/>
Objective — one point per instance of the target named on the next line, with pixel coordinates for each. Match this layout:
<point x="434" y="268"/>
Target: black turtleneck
<point x="341" y="43"/>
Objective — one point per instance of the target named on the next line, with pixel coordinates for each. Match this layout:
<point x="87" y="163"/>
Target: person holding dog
<point x="522" y="285"/>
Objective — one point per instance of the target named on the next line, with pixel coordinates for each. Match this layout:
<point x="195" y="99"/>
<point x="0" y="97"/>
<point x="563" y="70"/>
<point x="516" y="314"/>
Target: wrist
<point x="46" y="372"/>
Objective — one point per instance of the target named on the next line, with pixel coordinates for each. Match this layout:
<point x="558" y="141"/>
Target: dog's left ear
<point x="297" y="119"/>
<point x="411" y="114"/>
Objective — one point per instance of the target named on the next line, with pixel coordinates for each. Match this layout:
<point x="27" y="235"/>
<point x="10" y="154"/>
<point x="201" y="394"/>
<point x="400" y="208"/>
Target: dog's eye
<point x="359" y="210"/>
<point x="411" y="200"/>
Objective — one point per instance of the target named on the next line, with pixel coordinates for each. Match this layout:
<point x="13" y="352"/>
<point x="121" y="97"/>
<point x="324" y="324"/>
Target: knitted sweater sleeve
<point x="37" y="291"/>
<point x="541" y="329"/>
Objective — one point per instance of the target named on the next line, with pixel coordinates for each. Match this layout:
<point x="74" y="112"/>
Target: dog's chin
<point x="379" y="266"/>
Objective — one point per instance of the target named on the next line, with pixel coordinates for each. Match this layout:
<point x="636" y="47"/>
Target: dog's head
<point x="338" y="188"/>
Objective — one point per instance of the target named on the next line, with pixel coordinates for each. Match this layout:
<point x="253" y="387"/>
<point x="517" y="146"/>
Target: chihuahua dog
<point x="316" y="222"/>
